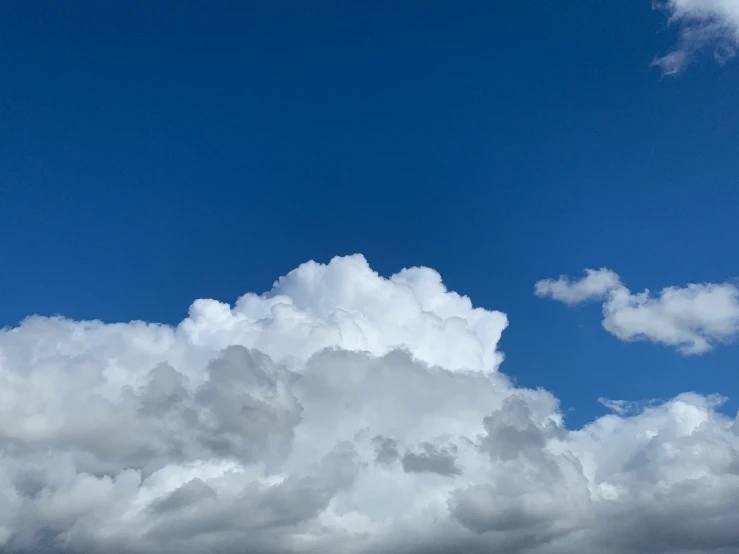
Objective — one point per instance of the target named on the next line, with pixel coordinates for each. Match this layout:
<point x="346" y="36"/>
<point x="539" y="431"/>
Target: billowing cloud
<point x="691" y="318"/>
<point x="703" y="25"/>
<point x="341" y="413"/>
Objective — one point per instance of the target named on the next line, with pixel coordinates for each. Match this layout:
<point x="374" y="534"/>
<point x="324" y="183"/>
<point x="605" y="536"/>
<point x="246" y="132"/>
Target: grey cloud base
<point x="297" y="422"/>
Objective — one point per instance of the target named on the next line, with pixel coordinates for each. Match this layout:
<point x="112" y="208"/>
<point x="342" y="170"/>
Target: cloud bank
<point x="340" y="412"/>
<point x="703" y="24"/>
<point x="692" y="318"/>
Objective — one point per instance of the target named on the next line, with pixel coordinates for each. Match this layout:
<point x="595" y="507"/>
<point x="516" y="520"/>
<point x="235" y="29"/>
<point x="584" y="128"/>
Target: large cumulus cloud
<point x="340" y="413"/>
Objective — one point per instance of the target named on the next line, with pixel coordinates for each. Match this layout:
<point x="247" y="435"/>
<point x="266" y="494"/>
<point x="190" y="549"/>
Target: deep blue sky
<point x="156" y="152"/>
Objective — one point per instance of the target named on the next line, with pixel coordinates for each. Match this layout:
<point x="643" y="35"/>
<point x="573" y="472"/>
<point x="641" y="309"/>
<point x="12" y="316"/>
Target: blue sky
<point x="154" y="153"/>
<point x="168" y="170"/>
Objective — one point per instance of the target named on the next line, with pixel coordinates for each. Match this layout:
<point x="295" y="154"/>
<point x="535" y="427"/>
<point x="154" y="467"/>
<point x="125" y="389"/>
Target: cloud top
<point x="290" y="423"/>
<point x="345" y="304"/>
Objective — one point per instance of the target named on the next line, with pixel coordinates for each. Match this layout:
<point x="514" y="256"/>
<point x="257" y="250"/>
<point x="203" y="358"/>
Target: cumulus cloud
<point x="691" y="318"/>
<point x="703" y="24"/>
<point x="341" y="412"/>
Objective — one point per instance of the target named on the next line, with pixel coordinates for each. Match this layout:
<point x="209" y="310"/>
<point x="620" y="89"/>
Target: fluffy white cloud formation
<point x="692" y="318"/>
<point x="291" y="423"/>
<point x="703" y="24"/>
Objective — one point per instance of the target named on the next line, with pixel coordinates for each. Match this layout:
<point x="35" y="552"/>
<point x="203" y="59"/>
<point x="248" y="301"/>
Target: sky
<point x="419" y="275"/>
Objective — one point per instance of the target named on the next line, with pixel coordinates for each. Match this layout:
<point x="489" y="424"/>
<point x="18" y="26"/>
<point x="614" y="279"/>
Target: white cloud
<point x="627" y="407"/>
<point x="593" y="286"/>
<point x="703" y="24"/>
<point x="347" y="305"/>
<point x="692" y="318"/>
<point x="239" y="431"/>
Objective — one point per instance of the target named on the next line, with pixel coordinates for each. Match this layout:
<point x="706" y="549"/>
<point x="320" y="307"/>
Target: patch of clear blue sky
<point x="156" y="152"/>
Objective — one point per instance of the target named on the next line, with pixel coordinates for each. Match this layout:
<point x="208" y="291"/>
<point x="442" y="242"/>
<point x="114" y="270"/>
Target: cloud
<point x="431" y="460"/>
<point x="692" y="318"/>
<point x="627" y="407"/>
<point x="703" y="24"/>
<point x="340" y="412"/>
<point x="593" y="286"/>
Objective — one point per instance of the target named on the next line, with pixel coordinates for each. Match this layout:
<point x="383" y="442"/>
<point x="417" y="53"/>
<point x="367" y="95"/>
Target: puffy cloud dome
<point x="340" y="412"/>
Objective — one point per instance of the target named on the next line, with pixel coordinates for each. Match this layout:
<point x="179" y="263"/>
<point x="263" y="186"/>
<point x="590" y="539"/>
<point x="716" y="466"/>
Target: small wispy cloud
<point x="595" y="284"/>
<point x="628" y="407"/>
<point x="704" y="25"/>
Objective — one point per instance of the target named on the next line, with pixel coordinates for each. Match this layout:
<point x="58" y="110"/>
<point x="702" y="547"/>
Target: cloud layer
<point x="703" y="24"/>
<point x="692" y="318"/>
<point x="340" y="413"/>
